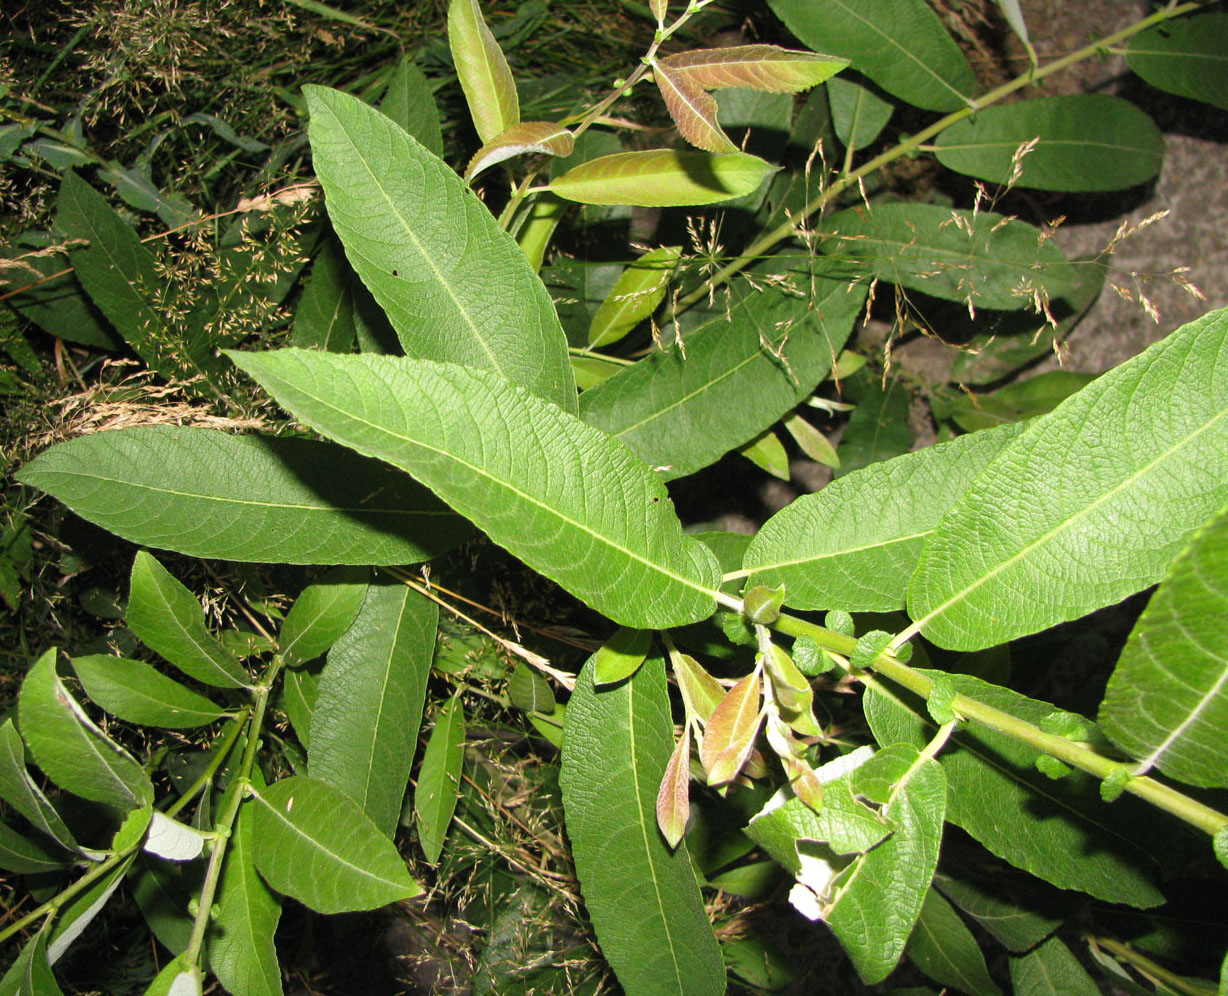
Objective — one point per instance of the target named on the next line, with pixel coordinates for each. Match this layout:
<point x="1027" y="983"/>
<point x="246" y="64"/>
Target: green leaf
<point x="439" y="778"/>
<point x="324" y="318"/>
<point x="168" y="619"/>
<point x="496" y="454"/>
<point x="855" y="543"/>
<point x="486" y="78"/>
<point x="900" y="44"/>
<point x="767" y="452"/>
<point x="1067" y="836"/>
<point x="675" y="411"/>
<point x="692" y="108"/>
<point x="61" y="308"/>
<point x="1188" y="57"/>
<point x="1167" y="701"/>
<point x="364" y="728"/>
<point x="545" y="138"/>
<point x="410" y="103"/>
<point x="241" y="950"/>
<point x="1147" y="444"/>
<point x="621" y="655"/>
<point x="76" y="914"/>
<point x="454" y="285"/>
<point x="529" y="691"/>
<point x="943" y="948"/>
<point x="1051" y="969"/>
<point x="641" y="896"/>
<point x="30" y="974"/>
<point x="662" y="178"/>
<point x="876" y="901"/>
<point x="71" y="749"/>
<point x="178" y="977"/>
<point x="27" y="857"/>
<point x="977" y="258"/>
<point x="121" y="277"/>
<point x="635" y="296"/>
<point x="136" y="693"/>
<point x="313" y="843"/>
<point x="810" y="441"/>
<point x="321" y="614"/>
<point x="1080" y="143"/>
<point x="300" y="690"/>
<point x="858" y="114"/>
<point x="1006" y="909"/>
<point x="250" y="498"/>
<point x="19" y="790"/>
<point x="878" y="428"/>
<point x="1015" y="402"/>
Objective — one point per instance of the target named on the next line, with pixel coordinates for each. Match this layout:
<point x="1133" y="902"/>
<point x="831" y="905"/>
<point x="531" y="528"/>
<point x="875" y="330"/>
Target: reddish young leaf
<point x="545" y="137"/>
<point x="692" y="108"/>
<point x="701" y="693"/>
<point x="674" y="797"/>
<point x="760" y="67"/>
<point x="731" y="731"/>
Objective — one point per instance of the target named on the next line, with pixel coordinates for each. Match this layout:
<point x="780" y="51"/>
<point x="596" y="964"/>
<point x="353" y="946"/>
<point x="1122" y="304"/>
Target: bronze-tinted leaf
<point x="546" y="137"/>
<point x="731" y="730"/>
<point x="486" y="78"/>
<point x="674" y="797"/>
<point x="760" y="67"/>
<point x="693" y="109"/>
<point x="701" y="693"/>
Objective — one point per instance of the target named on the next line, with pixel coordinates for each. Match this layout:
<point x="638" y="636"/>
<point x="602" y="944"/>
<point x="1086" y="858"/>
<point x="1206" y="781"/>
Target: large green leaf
<point x="312" y="842"/>
<point x="28" y="857"/>
<point x="322" y="613"/>
<point x="439" y="778"/>
<point x="168" y="619"/>
<point x="1083" y="142"/>
<point x="858" y="114"/>
<point x="1062" y="832"/>
<point x="900" y="44"/>
<point x="854" y="544"/>
<point x="943" y="948"/>
<point x="572" y="503"/>
<point x="1188" y="57"/>
<point x="257" y="498"/>
<point x="1167" y="702"/>
<point x="455" y="286"/>
<point x="241" y="950"/>
<point x="69" y="746"/>
<point x="641" y="896"/>
<point x="1007" y="906"/>
<point x="30" y="973"/>
<point x="1051" y="969"/>
<point x="977" y="258"/>
<point x="738" y="376"/>
<point x="364" y="728"/>
<point x="877" y="900"/>
<point x="1090" y="504"/>
<point x="19" y="789"/>
<point x="136" y="693"/>
<point x="121" y="277"/>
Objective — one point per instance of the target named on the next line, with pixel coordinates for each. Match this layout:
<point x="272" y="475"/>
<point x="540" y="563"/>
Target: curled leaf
<point x="662" y="178"/>
<point x="546" y="137"/>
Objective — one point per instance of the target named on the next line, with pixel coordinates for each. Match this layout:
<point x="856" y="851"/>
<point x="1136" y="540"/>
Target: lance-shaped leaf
<point x="1167" y="702"/>
<point x="701" y="692"/>
<point x="693" y="109"/>
<point x="241" y="950"/>
<point x="1188" y="57"/>
<point x="674" y="795"/>
<point x="250" y="498"/>
<point x="30" y="973"/>
<point x="900" y="44"/>
<point x="1008" y="907"/>
<point x="313" y="843"/>
<point x="1018" y="401"/>
<point x="324" y="318"/>
<point x="28" y="857"/>
<point x="1051" y="969"/>
<point x="439" y="778"/>
<point x="454" y="285"/>
<point x="855" y="543"/>
<point x="169" y="620"/>
<point x="543" y="137"/>
<point x="757" y="67"/>
<point x="979" y="258"/>
<point x="76" y="914"/>
<point x="69" y="746"/>
<point x="642" y="897"/>
<point x="377" y="669"/>
<point x="1084" y="142"/>
<point x="529" y="691"/>
<point x="136" y="693"/>
<point x="662" y="178"/>
<point x="1070" y="837"/>
<point x="676" y="412"/>
<point x="857" y="113"/>
<point x="731" y="730"/>
<point x="321" y="614"/>
<point x="640" y="288"/>
<point x="552" y="490"/>
<point x="1147" y="476"/>
<point x="943" y="948"/>
<point x="486" y="78"/>
<point x="876" y="902"/>
<point x="19" y="789"/>
<point x="410" y="102"/>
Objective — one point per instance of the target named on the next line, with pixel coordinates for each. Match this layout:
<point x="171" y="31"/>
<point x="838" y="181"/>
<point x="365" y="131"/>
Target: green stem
<point x="53" y="905"/>
<point x="1077" y="755"/>
<point x="1149" y="968"/>
<point x="205" y="779"/>
<point x="226" y="820"/>
<point x="788" y="228"/>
